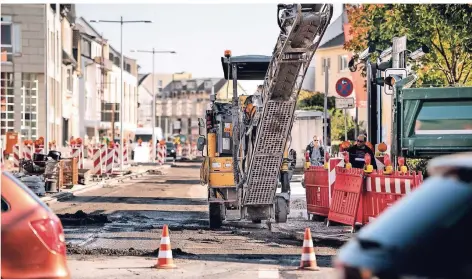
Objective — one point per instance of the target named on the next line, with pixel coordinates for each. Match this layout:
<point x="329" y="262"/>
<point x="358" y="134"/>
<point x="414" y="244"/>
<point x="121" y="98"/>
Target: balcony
<point x="105" y="63"/>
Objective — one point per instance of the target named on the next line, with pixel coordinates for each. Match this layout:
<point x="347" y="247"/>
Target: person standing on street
<point x="357" y="153"/>
<point x="316" y="152"/>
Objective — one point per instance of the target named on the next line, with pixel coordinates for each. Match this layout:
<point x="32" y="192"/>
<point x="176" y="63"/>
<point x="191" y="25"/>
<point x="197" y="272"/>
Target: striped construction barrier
<point x="125" y="154"/>
<point x="161" y="154"/>
<point x="103" y="156"/>
<point x="116" y="157"/>
<point x="16" y="156"/>
<point x="97" y="161"/>
<point x="78" y="152"/>
<point x="109" y="160"/>
<point x="27" y="152"/>
<point x="39" y="149"/>
<point x="194" y="150"/>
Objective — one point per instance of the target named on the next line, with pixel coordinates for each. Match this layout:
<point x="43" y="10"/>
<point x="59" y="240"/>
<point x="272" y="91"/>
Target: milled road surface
<point x="138" y="209"/>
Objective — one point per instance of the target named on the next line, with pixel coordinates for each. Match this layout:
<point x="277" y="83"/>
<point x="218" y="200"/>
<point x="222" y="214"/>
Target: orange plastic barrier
<point x="346" y="196"/>
<point x="317" y="190"/>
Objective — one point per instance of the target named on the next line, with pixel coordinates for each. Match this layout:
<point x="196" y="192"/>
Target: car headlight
<point x="172" y="151"/>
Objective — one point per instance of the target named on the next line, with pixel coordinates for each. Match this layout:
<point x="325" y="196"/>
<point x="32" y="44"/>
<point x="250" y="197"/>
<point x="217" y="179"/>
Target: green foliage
<point x="308" y="100"/>
<point x="445" y="29"/>
<point x="417" y="165"/>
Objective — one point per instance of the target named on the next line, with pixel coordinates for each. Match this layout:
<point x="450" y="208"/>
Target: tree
<point x="445" y="29"/>
<point x="313" y="101"/>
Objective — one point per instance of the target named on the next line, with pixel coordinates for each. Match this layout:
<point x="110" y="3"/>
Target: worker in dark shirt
<point x="357" y="153"/>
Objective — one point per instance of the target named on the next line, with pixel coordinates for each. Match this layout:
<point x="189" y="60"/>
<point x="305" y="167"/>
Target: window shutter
<point x="16" y="40"/>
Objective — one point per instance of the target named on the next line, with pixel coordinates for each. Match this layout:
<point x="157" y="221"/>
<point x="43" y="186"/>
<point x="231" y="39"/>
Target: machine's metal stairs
<point x="302" y="27"/>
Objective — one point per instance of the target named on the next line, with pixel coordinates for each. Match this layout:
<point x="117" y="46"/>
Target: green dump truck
<point x="429" y="122"/>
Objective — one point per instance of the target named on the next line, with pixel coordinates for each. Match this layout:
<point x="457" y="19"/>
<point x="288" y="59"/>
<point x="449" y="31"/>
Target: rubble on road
<point x="77" y="250"/>
<point x="81" y="218"/>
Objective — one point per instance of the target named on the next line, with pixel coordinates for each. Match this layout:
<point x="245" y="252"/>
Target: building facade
<point x="32" y="69"/>
<point x="110" y="106"/>
<point x="183" y="101"/>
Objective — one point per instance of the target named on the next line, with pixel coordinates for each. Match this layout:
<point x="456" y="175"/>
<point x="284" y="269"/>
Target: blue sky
<point x="199" y="33"/>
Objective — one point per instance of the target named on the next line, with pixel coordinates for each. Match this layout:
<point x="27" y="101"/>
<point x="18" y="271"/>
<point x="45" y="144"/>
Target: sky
<point x="199" y="33"/>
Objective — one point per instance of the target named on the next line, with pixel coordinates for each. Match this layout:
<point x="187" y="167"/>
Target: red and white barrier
<point x="39" y="150"/>
<point x="125" y="155"/>
<point x="109" y="161"/>
<point x="333" y="163"/>
<point x="194" y="150"/>
<point x="103" y="156"/>
<point x="185" y="151"/>
<point x="116" y="157"/>
<point x="162" y="154"/>
<point x="179" y="150"/>
<point x="27" y="152"/>
<point x="78" y="152"/>
<point x="16" y="156"/>
<point x="97" y="161"/>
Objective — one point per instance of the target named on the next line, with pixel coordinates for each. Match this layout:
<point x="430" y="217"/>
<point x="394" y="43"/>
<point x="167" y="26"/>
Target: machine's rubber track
<point x="302" y="27"/>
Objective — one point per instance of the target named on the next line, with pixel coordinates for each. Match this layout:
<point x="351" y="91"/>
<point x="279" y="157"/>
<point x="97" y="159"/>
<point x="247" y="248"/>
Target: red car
<point x="33" y="240"/>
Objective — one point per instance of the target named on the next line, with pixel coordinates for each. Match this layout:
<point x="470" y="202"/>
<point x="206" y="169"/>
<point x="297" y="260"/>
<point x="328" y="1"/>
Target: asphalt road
<point x="136" y="210"/>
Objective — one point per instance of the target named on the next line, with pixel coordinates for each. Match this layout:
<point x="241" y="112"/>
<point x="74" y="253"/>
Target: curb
<point x="69" y="194"/>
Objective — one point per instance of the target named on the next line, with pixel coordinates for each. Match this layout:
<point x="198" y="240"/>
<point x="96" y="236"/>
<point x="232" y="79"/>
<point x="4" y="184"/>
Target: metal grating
<point x="275" y="126"/>
<point x="283" y="81"/>
<point x="262" y="182"/>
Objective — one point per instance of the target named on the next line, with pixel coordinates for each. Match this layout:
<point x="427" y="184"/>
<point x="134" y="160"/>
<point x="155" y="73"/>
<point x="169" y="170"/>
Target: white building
<point x="32" y="57"/>
<point x="94" y="65"/>
<point x="112" y="97"/>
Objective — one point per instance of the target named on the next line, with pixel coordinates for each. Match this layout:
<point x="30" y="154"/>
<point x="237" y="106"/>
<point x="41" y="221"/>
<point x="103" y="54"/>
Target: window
<point x="444" y="117"/>
<point x="342" y="63"/>
<point x="86" y="48"/>
<point x="325" y="61"/>
<point x="128" y="68"/>
<point x="208" y="84"/>
<point x="159" y="83"/>
<point x="6" y="40"/>
<point x="7" y="100"/>
<point x="111" y="57"/>
<point x="69" y="80"/>
<point x="29" y="105"/>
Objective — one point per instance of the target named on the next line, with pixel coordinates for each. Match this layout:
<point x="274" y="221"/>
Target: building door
<point x="65" y="131"/>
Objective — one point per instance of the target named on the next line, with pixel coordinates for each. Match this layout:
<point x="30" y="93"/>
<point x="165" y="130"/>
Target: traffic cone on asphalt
<point x="308" y="260"/>
<point x="164" y="259"/>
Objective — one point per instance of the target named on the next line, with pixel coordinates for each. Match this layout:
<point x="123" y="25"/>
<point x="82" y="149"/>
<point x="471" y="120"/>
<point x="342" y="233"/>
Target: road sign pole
<point x="325" y="109"/>
<point x="345" y="124"/>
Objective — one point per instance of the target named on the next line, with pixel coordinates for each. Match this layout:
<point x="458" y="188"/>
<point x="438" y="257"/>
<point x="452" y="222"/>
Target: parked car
<point x="171" y="150"/>
<point x="33" y="240"/>
<point x="424" y="235"/>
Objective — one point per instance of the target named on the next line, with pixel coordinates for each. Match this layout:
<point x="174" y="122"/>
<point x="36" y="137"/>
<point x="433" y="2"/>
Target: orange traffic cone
<point x="308" y="260"/>
<point x="164" y="259"/>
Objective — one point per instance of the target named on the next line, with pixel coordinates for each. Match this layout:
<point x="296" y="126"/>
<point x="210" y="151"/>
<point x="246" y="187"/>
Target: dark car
<point x="171" y="150"/>
<point x="427" y="234"/>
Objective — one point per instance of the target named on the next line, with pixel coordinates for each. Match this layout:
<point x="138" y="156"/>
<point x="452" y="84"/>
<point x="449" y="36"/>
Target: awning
<point x="67" y="59"/>
<point x="250" y="67"/>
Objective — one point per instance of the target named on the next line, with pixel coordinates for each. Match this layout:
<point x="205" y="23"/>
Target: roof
<point x="141" y="78"/>
<point x="218" y="84"/>
<point x="334" y="42"/>
<point x="250" y="67"/>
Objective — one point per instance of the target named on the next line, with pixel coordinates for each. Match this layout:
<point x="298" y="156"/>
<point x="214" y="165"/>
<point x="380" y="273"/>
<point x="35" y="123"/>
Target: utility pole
<point x="122" y="62"/>
<point x="153" y="119"/>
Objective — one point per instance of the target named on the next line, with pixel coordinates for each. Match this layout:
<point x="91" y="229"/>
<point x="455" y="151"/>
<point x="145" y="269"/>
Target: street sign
<point x="344" y="103"/>
<point x="390" y="72"/>
<point x="344" y="87"/>
<point x="399" y="44"/>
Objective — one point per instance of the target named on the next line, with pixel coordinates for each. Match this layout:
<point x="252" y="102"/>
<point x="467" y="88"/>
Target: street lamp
<point x="153" y="51"/>
<point x="121" y="22"/>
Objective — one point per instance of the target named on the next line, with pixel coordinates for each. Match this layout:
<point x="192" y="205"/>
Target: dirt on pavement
<point x="126" y="219"/>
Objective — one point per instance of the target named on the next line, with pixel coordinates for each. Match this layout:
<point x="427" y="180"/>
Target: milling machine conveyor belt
<point x="302" y="27"/>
